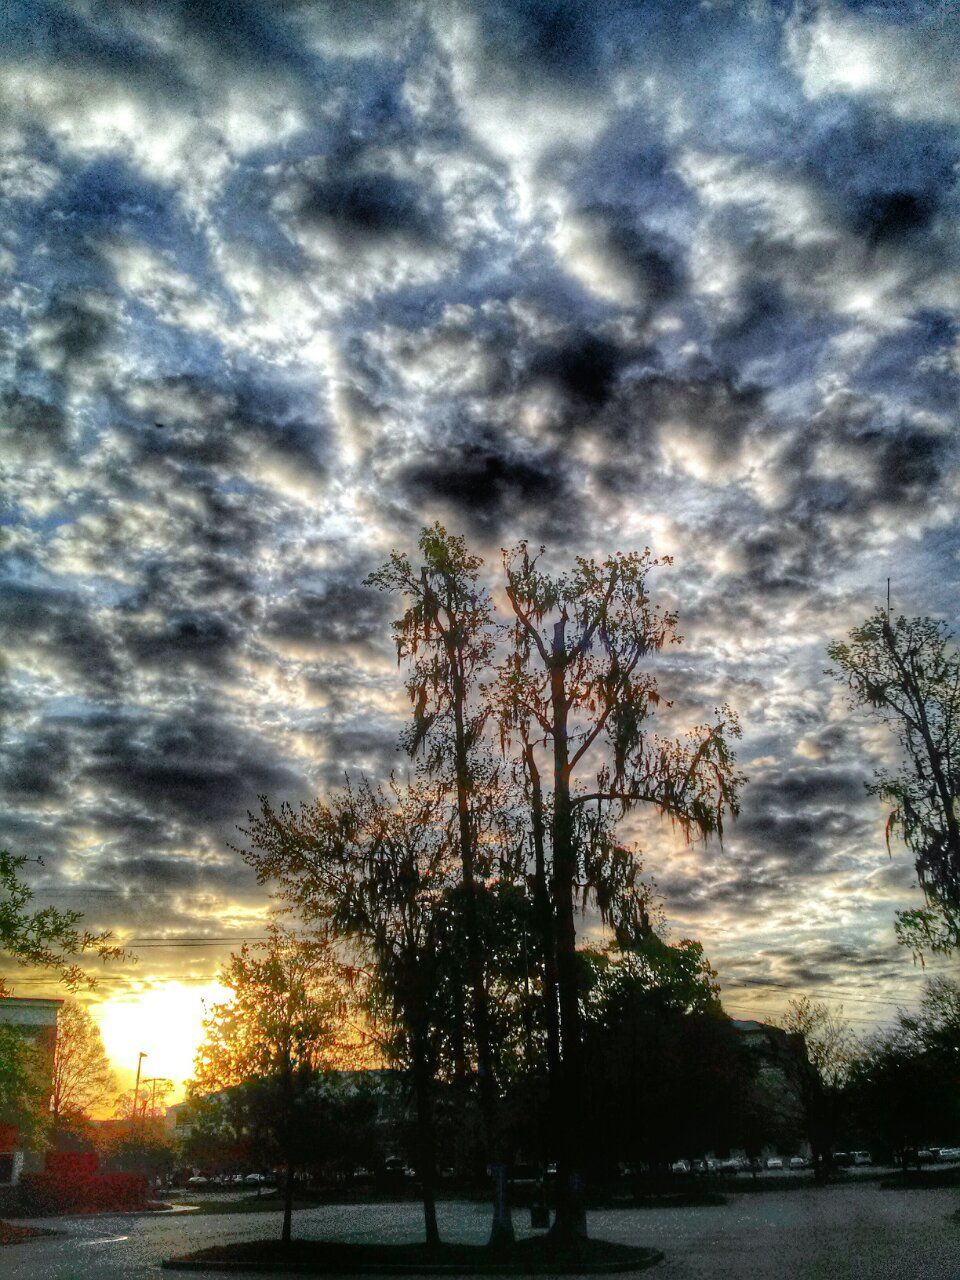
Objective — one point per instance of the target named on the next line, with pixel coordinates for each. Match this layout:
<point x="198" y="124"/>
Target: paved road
<point x="836" y="1233"/>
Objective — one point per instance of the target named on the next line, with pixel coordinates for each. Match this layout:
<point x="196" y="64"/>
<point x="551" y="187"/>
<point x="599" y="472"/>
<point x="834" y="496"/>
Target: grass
<point x="270" y="1203"/>
<point x="536" y="1256"/>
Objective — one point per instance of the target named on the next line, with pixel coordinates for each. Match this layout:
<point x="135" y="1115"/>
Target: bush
<point x="82" y="1193"/>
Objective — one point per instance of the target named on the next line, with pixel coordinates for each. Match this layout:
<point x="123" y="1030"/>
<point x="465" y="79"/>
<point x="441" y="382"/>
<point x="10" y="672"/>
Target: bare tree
<point x="83" y="1078"/>
<point x="824" y="1052"/>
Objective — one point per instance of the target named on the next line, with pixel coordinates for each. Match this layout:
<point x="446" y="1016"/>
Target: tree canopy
<point x="906" y="671"/>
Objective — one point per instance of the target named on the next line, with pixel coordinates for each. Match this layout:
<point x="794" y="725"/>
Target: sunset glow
<point x="165" y="1022"/>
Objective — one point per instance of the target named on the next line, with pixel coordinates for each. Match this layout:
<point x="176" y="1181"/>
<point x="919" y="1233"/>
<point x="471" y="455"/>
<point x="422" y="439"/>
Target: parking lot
<point x="851" y="1232"/>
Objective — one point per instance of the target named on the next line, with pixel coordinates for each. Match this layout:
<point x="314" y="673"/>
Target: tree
<point x="907" y="672"/>
<point x="82" y="1076"/>
<point x="375" y="867"/>
<point x="47" y="938"/>
<point x="668" y="1075"/>
<point x="416" y="877"/>
<point x="824" y="1055"/>
<point x="274" y="1034"/>
<point x="573" y="687"/>
<point x="935" y="1028"/>
<point x="24" y="1082"/>
<point x="146" y="1102"/>
<point x="142" y="1143"/>
<point x="674" y="977"/>
<point x="904" y="1089"/>
<point x="235" y="1130"/>
<point x="447" y="637"/>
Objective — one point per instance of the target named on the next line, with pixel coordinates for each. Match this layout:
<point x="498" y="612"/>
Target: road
<point x="834" y="1233"/>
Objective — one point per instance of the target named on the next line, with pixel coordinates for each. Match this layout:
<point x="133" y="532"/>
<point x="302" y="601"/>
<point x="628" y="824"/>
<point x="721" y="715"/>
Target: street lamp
<point x="136" y="1091"/>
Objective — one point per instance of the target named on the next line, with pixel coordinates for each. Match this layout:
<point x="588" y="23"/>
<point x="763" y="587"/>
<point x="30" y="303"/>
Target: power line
<point x="833" y="991"/>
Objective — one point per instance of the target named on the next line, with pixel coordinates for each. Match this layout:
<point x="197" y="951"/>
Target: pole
<point x="136" y="1089"/>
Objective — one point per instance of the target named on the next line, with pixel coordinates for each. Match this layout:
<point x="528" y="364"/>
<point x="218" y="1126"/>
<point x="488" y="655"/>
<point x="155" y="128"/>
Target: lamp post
<point x="136" y="1090"/>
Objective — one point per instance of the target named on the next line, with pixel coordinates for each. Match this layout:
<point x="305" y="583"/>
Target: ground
<point x="855" y="1232"/>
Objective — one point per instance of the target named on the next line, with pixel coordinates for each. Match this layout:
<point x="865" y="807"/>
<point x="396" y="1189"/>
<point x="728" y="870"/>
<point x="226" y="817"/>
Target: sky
<point x="284" y="282"/>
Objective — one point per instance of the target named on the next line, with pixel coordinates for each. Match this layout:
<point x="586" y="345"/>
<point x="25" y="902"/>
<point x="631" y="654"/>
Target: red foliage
<point x="82" y="1193"/>
<point x="9" y="1135"/>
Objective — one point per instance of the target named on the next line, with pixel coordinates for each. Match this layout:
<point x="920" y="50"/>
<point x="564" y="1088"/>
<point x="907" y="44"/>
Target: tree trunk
<point x="548" y="952"/>
<point x="544" y="916"/>
<point x="501" y="1228"/>
<point x="287" y="1202"/>
<point x="570" y="1224"/>
<point x="426" y="1141"/>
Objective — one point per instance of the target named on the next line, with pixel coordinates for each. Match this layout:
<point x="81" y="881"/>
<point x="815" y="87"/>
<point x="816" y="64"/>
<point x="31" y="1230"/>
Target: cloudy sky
<point x="281" y="282"/>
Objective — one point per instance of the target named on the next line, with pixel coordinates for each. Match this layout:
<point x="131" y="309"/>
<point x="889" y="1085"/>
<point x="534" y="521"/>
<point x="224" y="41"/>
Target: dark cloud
<point x="584" y="368"/>
<point x="194" y="766"/>
<point x="194" y="639"/>
<point x="32" y="425"/>
<point x="484" y="483"/>
<point x="65" y="625"/>
<point x="364" y="208"/>
<point x="341" y="612"/>
<point x="37" y="768"/>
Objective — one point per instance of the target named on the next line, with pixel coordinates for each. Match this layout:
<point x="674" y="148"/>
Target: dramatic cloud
<point x="283" y="282"/>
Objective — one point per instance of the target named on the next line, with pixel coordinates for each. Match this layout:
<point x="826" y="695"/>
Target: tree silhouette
<point x="574" y="688"/>
<point x="279" y="1028"/>
<point x="376" y="868"/>
<point x="446" y="636"/>
<point x="907" y="671"/>
<point x="48" y="938"/>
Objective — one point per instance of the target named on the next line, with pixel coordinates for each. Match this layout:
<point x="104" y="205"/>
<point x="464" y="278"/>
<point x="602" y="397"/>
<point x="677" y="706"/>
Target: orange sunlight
<point x="165" y="1022"/>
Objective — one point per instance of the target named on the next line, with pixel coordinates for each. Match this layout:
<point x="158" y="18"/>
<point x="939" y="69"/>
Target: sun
<point x="164" y="1022"/>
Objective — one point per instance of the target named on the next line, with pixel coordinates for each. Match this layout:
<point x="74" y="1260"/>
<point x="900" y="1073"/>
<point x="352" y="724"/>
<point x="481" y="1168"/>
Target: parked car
<point x="797" y="1162"/>
<point x="949" y="1153"/>
<point x="679" y="1166"/>
<point x="861" y="1157"/>
<point x="525" y="1175"/>
<point x="774" y="1162"/>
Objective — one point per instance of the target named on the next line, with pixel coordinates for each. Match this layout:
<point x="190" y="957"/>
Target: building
<point x="36" y="1022"/>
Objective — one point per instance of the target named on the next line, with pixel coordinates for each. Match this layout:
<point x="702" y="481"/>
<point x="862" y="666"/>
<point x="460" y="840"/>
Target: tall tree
<point x="83" y="1079"/>
<point x="446" y="636"/>
<point x="825" y="1050"/>
<point x="278" y="1029"/>
<point x="377" y="868"/>
<point x="907" y="672"/>
<point x="574" y="688"/>
<point x="48" y="938"/>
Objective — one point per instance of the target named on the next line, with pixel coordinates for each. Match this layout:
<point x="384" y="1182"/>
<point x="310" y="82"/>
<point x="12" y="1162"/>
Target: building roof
<point x="28" y="1011"/>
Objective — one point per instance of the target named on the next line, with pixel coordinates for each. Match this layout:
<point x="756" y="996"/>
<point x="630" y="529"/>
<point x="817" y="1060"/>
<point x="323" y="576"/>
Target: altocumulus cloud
<point x="283" y="282"/>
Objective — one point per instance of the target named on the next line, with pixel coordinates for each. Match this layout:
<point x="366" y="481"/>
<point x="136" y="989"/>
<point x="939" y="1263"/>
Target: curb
<point x="622" y="1267"/>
